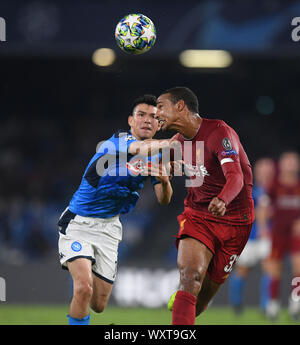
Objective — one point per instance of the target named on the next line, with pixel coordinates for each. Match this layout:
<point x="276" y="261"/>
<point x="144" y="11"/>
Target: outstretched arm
<point x="163" y="192"/>
<point x="151" y="147"/>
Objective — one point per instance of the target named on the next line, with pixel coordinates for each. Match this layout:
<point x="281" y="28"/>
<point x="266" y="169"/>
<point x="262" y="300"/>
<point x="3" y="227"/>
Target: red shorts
<point x="284" y="244"/>
<point x="225" y="241"/>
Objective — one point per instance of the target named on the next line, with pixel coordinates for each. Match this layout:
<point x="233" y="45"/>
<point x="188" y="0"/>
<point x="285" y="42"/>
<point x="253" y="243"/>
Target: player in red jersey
<point x="285" y="230"/>
<point x="218" y="211"/>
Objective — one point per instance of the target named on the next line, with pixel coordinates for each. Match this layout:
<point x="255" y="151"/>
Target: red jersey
<point x="219" y="163"/>
<point x="285" y="201"/>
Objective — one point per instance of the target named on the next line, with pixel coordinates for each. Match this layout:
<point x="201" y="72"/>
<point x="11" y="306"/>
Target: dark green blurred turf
<point x="56" y="315"/>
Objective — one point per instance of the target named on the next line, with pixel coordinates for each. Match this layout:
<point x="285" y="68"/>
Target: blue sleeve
<point x="122" y="141"/>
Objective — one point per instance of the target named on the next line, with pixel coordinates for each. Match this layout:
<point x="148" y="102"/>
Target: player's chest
<point x="198" y="161"/>
<point x="288" y="198"/>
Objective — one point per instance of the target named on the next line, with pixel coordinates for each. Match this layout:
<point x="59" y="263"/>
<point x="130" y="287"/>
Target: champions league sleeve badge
<point x="226" y="143"/>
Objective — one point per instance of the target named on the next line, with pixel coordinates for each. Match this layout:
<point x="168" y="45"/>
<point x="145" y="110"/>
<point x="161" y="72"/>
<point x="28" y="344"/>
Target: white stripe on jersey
<point x="226" y="160"/>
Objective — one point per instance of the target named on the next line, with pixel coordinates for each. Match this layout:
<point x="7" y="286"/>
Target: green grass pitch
<point x="56" y="315"/>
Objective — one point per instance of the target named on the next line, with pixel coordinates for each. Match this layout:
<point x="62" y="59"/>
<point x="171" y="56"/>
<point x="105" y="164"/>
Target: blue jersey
<point x="111" y="180"/>
<point x="257" y="193"/>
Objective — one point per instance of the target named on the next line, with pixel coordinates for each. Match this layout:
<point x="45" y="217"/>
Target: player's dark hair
<point x="184" y="93"/>
<point x="145" y="99"/>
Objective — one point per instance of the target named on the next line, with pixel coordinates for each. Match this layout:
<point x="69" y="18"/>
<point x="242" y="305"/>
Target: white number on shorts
<point x="228" y="268"/>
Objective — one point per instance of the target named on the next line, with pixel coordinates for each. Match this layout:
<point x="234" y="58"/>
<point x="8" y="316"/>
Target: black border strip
<point x="78" y="257"/>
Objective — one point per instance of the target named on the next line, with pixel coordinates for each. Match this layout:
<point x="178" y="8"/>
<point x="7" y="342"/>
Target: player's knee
<point x="98" y="307"/>
<point x="192" y="275"/>
<point x="274" y="268"/>
<point x="83" y="290"/>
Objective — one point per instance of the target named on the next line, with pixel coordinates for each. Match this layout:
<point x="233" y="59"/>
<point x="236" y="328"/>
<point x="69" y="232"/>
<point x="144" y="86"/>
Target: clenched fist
<point x="217" y="207"/>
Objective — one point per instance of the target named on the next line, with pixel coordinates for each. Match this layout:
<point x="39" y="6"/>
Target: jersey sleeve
<point x="224" y="144"/>
<point x="123" y="141"/>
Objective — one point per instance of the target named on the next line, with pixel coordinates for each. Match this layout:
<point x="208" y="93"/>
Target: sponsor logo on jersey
<point x="196" y="170"/>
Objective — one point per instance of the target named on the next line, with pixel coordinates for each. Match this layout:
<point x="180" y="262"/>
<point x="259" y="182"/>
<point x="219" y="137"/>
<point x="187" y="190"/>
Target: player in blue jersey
<point x="90" y="229"/>
<point x="258" y="245"/>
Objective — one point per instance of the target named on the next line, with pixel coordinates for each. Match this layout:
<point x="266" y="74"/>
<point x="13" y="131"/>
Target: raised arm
<point x="148" y="147"/>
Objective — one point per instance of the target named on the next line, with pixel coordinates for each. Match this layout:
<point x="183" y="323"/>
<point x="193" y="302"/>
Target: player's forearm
<point x="164" y="192"/>
<point x="148" y="147"/>
<point x="233" y="186"/>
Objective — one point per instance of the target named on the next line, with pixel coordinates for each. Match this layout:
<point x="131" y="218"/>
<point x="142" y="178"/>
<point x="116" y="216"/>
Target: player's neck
<point x="190" y="126"/>
<point x="135" y="134"/>
<point x="288" y="179"/>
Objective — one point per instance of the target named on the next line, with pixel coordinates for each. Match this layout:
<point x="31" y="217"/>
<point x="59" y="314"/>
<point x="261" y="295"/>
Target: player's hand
<point x="159" y="171"/>
<point x="176" y="168"/>
<point x="217" y="207"/>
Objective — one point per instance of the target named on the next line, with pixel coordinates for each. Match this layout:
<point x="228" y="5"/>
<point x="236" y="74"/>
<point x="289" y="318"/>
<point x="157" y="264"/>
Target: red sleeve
<point x="234" y="182"/>
<point x="224" y="144"/>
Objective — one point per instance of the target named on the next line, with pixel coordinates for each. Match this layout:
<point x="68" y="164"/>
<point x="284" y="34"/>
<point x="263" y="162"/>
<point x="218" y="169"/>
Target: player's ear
<point x="180" y="105"/>
<point x="130" y="120"/>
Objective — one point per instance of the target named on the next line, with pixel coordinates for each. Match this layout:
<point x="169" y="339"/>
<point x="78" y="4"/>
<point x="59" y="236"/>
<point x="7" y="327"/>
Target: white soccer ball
<point x="135" y="34"/>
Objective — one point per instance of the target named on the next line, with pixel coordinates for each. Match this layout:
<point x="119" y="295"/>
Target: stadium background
<point x="56" y="105"/>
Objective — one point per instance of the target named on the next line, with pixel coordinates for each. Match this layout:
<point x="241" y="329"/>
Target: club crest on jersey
<point x="130" y="137"/>
<point x="136" y="166"/>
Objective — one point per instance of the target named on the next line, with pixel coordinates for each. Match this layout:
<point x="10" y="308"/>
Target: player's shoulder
<point x="217" y="123"/>
<point x="216" y="127"/>
<point x="121" y="134"/>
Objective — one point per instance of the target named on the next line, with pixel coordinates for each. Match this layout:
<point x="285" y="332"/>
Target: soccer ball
<point x="135" y="34"/>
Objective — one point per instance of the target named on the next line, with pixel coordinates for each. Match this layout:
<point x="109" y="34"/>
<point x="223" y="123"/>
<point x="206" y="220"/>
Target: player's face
<point x="166" y="111"/>
<point x="289" y="163"/>
<point x="143" y="122"/>
<point x="264" y="171"/>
